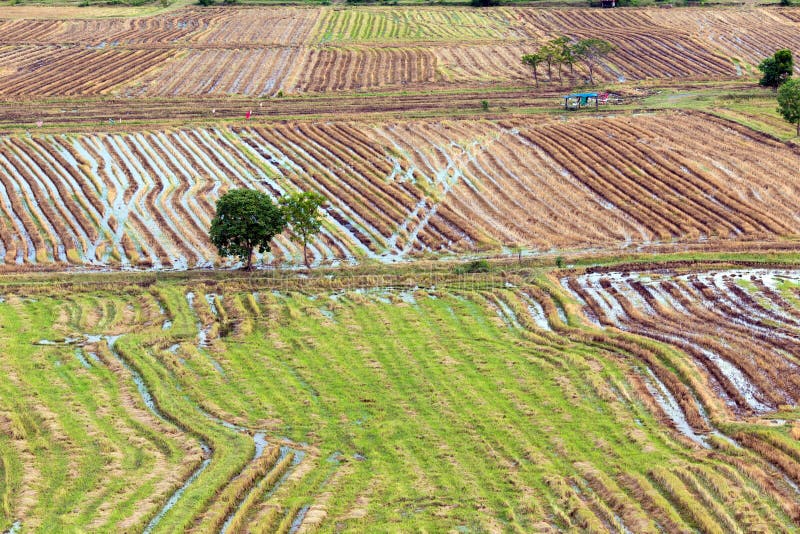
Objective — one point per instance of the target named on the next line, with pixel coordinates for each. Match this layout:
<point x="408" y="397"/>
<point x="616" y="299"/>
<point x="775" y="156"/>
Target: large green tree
<point x="246" y="220"/>
<point x="776" y="69"/>
<point x="789" y="102"/>
<point x="591" y="52"/>
<point x="301" y="211"/>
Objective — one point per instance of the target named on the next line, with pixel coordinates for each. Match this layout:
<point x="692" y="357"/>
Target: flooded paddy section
<point x="143" y="199"/>
<point x="739" y="325"/>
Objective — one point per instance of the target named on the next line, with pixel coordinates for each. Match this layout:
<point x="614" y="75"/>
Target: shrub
<point x="477" y="266"/>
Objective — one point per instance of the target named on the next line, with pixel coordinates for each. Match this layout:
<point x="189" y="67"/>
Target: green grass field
<point x="454" y="408"/>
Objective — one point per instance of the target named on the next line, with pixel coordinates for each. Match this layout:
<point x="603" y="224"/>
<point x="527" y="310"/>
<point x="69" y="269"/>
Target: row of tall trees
<point x="562" y="51"/>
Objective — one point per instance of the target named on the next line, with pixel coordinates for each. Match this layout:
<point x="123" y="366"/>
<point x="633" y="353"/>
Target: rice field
<point x="740" y="326"/>
<point x="259" y="52"/>
<point x="388" y="389"/>
<point x="410" y="24"/>
<point x="397" y="190"/>
<point x="269" y="406"/>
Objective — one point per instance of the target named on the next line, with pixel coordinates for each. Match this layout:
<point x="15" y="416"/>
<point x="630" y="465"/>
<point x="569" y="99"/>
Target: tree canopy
<point x="789" y="102"/>
<point x="246" y="220"/>
<point x="533" y="61"/>
<point x="301" y="211"/>
<point x="776" y="69"/>
<point x="592" y="51"/>
<point x="561" y="51"/>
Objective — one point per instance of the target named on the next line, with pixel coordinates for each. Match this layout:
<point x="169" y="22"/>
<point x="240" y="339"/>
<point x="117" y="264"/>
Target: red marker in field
<point x="249" y="112"/>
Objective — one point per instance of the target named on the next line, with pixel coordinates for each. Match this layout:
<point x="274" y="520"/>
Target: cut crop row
<point x="397" y="189"/>
<point x="255" y="72"/>
<point x="370" y="24"/>
<point x="77" y="71"/>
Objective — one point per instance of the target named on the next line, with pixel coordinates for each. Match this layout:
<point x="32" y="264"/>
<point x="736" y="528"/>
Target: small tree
<point x="301" y="211"/>
<point x="533" y="61"/>
<point x="789" y="102"/>
<point x="568" y="56"/>
<point x="563" y="53"/>
<point x="549" y="56"/>
<point x="592" y="51"/>
<point x="246" y="219"/>
<point x="776" y="69"/>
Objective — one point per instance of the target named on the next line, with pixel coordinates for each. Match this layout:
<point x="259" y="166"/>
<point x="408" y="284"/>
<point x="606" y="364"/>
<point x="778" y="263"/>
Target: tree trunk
<point x="549" y="71"/>
<point x="536" y="76"/>
<point x="305" y="254"/>
<point x="249" y="265"/>
<point x="591" y="73"/>
<point x="559" y="74"/>
<point x="572" y="69"/>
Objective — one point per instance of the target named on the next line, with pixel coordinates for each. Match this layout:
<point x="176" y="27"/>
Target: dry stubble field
<point x="260" y="52"/>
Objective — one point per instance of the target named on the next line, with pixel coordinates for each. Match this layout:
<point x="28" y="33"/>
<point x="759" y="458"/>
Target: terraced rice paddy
<point x="627" y="398"/>
<point x="396" y="190"/>
<point x="261" y="405"/>
<point x="738" y="325"/>
<point x="259" y="52"/>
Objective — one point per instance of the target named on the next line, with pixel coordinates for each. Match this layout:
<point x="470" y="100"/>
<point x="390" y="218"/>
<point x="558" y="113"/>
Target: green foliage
<point x="591" y="51"/>
<point x="477" y="266"/>
<point x="560" y="263"/>
<point x="564" y="52"/>
<point x="789" y="102"/>
<point x="205" y="2"/>
<point x="301" y="211"/>
<point x="558" y="52"/>
<point x="245" y="220"/>
<point x="485" y="105"/>
<point x="776" y="69"/>
<point x="484" y="3"/>
<point x="533" y="61"/>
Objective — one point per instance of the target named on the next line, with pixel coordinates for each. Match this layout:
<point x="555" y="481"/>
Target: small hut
<point x="577" y="101"/>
